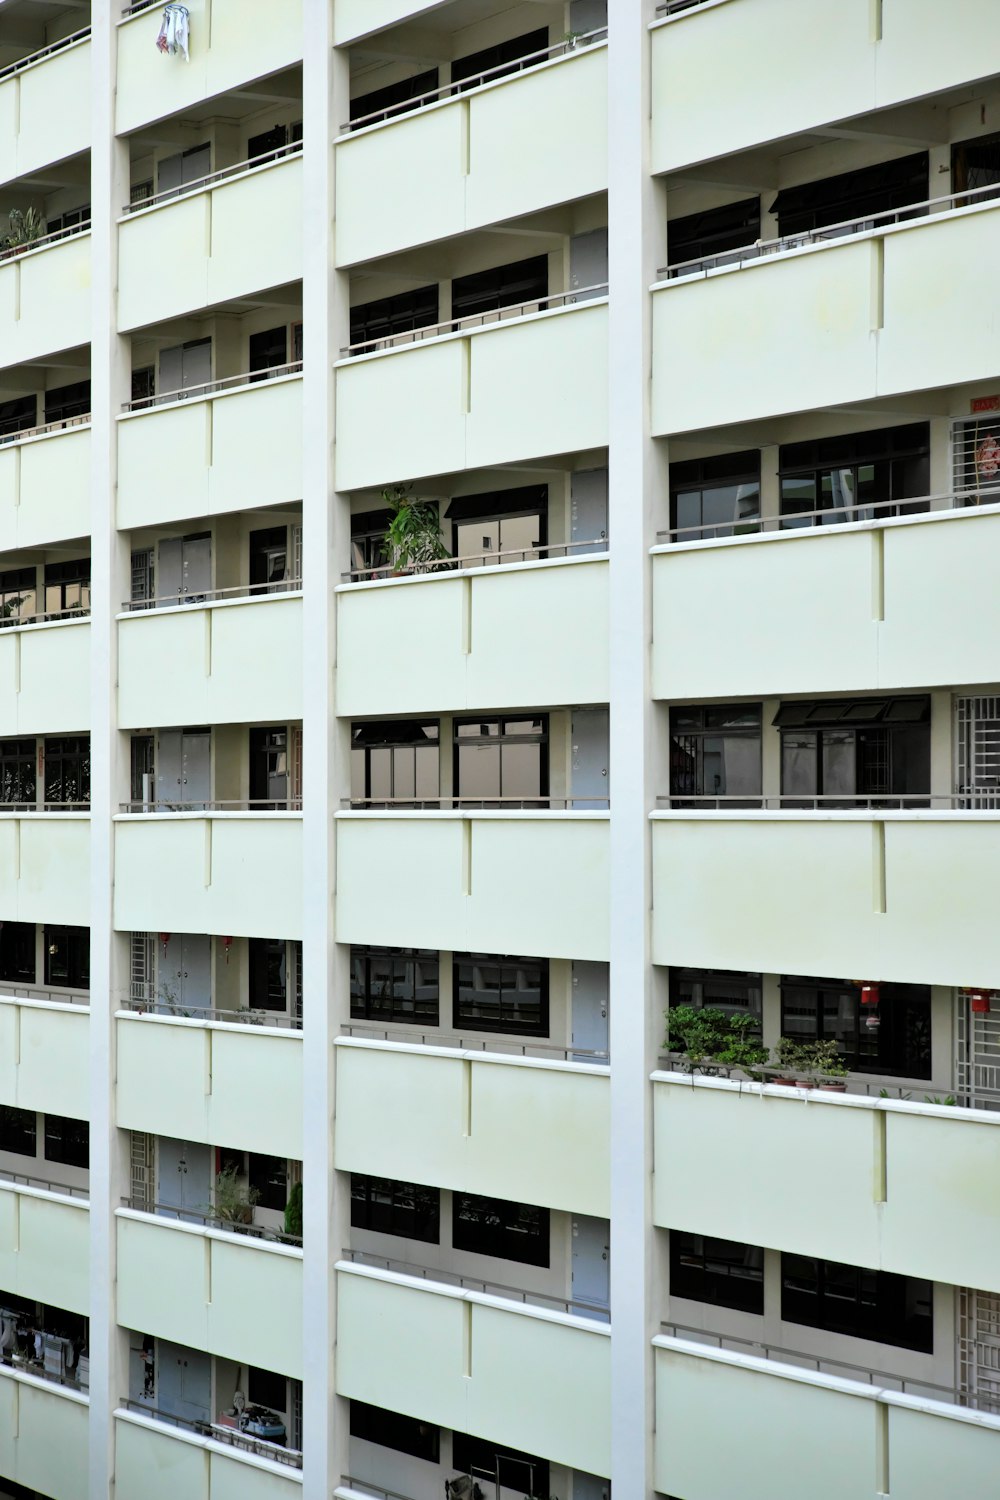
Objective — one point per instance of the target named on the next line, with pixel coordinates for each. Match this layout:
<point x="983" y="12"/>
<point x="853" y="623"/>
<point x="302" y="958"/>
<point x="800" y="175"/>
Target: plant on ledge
<point x="234" y="1201"/>
<point x="413" y="540"/>
<point x="809" y="1062"/>
<point x="293" y="1212"/>
<point x="711" y="1038"/>
<point x="26" y="227"/>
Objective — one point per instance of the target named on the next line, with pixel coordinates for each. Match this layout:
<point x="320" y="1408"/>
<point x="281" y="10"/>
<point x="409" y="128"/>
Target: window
<point x="17" y="593"/>
<point x="269" y="766"/>
<point x="396" y="98"/>
<point x="265" y="1388"/>
<point x="712" y="497"/>
<point x="483" y="527"/>
<point x="507" y="1468"/>
<point x="368" y="531"/>
<point x="474" y="64"/>
<point x="67" y="957"/>
<point x="388" y="316"/>
<point x="847" y="477"/>
<point x="975" y="164"/>
<point x="68" y="401"/>
<point x="268" y="558"/>
<point x="862" y="1304"/>
<point x="494" y="993"/>
<point x="267" y="351"/>
<point x="505" y="758"/>
<point x="268" y="973"/>
<point x="67" y="770"/>
<point x="67" y="587"/>
<point x="715" y="752"/>
<point x="18" y="415"/>
<point x="67" y="1141"/>
<point x="698" y="236"/>
<point x="394" y="984"/>
<point x="174" y="173"/>
<point x="398" y="760"/>
<point x="143" y="383"/>
<point x="273" y="143"/>
<point x="722" y="1272"/>
<point x="831" y="1010"/>
<point x="268" y="1175"/>
<point x="507" y="1231"/>
<point x="18" y="1129"/>
<point x="17" y="952"/>
<point x="736" y="994"/>
<point x="17" y="772"/>
<point x="976" y="456"/>
<point x="386" y="1206"/>
<point x="845" y="748"/>
<point x="373" y="1424"/>
<point x="501" y="286"/>
<point x="860" y="194"/>
<point x="73" y="218"/>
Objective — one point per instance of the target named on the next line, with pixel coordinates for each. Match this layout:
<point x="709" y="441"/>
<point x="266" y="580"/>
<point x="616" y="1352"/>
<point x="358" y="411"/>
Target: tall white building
<point x="496" y="518"/>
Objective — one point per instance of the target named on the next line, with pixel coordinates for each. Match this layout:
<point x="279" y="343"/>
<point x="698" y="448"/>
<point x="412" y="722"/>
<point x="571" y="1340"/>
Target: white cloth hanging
<point x="173" y="33"/>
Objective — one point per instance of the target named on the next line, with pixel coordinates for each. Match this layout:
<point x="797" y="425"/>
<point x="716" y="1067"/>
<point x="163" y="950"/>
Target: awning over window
<point x="851" y="713"/>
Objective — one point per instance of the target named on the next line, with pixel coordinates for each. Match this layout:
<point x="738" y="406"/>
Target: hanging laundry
<point x="173" y="34"/>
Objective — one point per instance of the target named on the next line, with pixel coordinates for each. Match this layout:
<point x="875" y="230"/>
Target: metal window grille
<point x="297" y="966"/>
<point x="143" y="565"/>
<point x="297" y="553"/>
<point x="296" y="766"/>
<point x="977" y="1058"/>
<point x="141" y="1159"/>
<point x="977" y="751"/>
<point x="141" y="191"/>
<point x="141" y="966"/>
<point x="976" y="457"/>
<point x="979" y="1349"/>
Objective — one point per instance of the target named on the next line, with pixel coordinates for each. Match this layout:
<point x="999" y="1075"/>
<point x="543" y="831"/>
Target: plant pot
<point x="785" y="1083"/>
<point x="833" y="1088"/>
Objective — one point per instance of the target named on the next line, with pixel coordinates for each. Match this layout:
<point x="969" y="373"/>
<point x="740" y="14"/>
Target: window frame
<point x="490" y="1227"/>
<point x="696" y="1281"/>
<point x="385" y="1214"/>
<point x="886" y="1293"/>
<point x="366" y="1005"/>
<point x="504" y="1024"/>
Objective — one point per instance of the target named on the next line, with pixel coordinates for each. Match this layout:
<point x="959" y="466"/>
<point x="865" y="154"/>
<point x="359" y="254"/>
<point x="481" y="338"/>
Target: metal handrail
<point x="864" y="222"/>
<point x="940" y="503"/>
<point x="851" y="1082"/>
<point x="38" y="1372"/>
<point x="43" y="52"/>
<point x="209" y="805"/>
<point x="473" y="1283"/>
<point x="670" y="7"/>
<point x="157" y="1006"/>
<point x="293" y="148"/>
<point x="476" y="320"/>
<point x="470" y="560"/>
<point x="477" y="804"/>
<point x="466" y="85"/>
<point x="212" y="596"/>
<point x="46" y="617"/>
<point x="137" y="5"/>
<point x="210" y="1221"/>
<point x="48" y="997"/>
<point x="42" y="240"/>
<point x="885" y="1379"/>
<point x="477" y="1042"/>
<point x="796" y="802"/>
<point x="369" y="1487"/>
<point x="213" y="387"/>
<point x="57" y="426"/>
<point x="43" y="807"/>
<point x="18" y="1179"/>
<point x="230" y="1436"/>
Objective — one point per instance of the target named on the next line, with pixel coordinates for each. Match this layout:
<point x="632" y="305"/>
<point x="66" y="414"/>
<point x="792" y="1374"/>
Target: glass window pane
<point x="799" y="765"/>
<point x="838" y="763"/>
<point x="521" y="770"/>
<point x="479" y="771"/>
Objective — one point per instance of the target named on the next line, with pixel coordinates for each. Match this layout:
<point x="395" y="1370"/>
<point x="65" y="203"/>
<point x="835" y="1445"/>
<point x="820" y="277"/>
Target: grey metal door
<point x="183" y="1382"/>
<point x="185" y="568"/>
<point x="185" y="365"/>
<point x="588" y="264"/>
<point x="588" y="510"/>
<point x="587" y="15"/>
<point x="591" y="1263"/>
<point x="189" y="969"/>
<point x="183" y="766"/>
<point x="183" y="1174"/>
<point x="590" y="1487"/>
<point x="591" y="740"/>
<point x="590" y="1009"/>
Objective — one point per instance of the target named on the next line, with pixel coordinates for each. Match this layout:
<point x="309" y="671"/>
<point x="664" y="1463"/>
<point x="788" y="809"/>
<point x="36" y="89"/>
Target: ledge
<point x="519" y="815"/>
<point x="238" y="390"/>
<point x="415" y="1049"/>
<point x="249" y="1028"/>
<point x="348" y="361"/>
<point x="816" y="815"/>
<point x="51" y="1387"/>
<point x="156" y="612"/>
<point x="813" y="533"/>
<point x="238" y="1455"/>
<point x="206" y="1232"/>
<point x="476" y="572"/>
<point x="47" y="1197"/>
<point x="951" y="1112"/>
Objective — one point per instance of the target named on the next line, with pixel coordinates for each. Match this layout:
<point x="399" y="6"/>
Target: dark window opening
<point x="831" y="1010"/>
<point x="469" y="69"/>
<point x="859" y="477"/>
<point x="18" y="599"/>
<point x="67" y="957"/>
<point x="395" y="761"/>
<point x="504" y="758"/>
<point x="722" y="1272"/>
<point x="504" y="1230"/>
<point x="975" y="164"/>
<point x="389" y="316"/>
<point x="265" y="1388"/>
<point x="368" y="548"/>
<point x="271" y="144"/>
<point x="405" y="1209"/>
<point x="487" y="526"/>
<point x="715" y="752"/>
<point x="500" y="286"/>
<point x="504" y="1468"/>
<point x="68" y="401"/>
<point x="713" y="232"/>
<point x="17" y="952"/>
<point x="269" y="780"/>
<point x="67" y="770"/>
<point x="734" y="993"/>
<point x="855" y="748"/>
<point x="389" y="1429"/>
<point x="498" y="993"/>
<point x="395" y="98"/>
<point x="67" y="587"/>
<point x="268" y="1176"/>
<point x="711" y="497"/>
<point x="268" y="973"/>
<point x="394" y="984"/>
<point x="67" y="1141"/>
<point x="17" y="772"/>
<point x="863" y="1304"/>
<point x="18" y="1131"/>
<point x="268" y="350"/>
<point x="19" y="415"/>
<point x="268" y="558"/>
<point x="65" y="223"/>
<point x="851" y="196"/>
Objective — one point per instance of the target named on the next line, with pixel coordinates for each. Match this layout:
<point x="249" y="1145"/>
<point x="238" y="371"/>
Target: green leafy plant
<point x="710" y="1036"/>
<point x="26" y="226"/>
<point x="413" y="540"/>
<point x="234" y="1201"/>
<point x="742" y="1049"/>
<point x="810" y="1060"/>
<point x="934" y="1099"/>
<point x="293" y="1211"/>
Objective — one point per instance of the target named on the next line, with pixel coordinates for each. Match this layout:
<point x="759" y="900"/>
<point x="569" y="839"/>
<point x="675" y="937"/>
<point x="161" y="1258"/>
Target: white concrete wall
<point x="161" y="1463"/>
<point x="44" y="300"/>
<point x="43" y="1436"/>
<point x="484" y="883"/>
<point x="45" y="857"/>
<point x="357" y="18"/>
<point x="44" y="681"/>
<point x="474" y="1124"/>
<point x="41" y="1045"/>
<point x="34" y="133"/>
<point x="44" y="496"/>
<point x="44" y="1250"/>
<point x="531" y="633"/>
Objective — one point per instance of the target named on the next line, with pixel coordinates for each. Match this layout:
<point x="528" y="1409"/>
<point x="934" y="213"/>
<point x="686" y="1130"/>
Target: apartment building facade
<point x="498" y="987"/>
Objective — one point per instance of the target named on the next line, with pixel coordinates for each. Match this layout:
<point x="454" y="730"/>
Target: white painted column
<point x="110" y="380"/>
<point x="637" y="245"/>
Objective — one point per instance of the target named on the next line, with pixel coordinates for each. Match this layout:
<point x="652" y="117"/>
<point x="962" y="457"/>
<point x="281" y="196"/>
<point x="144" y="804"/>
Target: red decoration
<point x="164" y="940"/>
<point x="870" y="993"/>
<point x="227" y="943"/>
<point x="979" y="1001"/>
<point x="873" y="1021"/>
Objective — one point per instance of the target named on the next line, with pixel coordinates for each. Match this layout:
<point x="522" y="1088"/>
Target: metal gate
<point x="979" y="1349"/>
<point x="141" y="1161"/>
<point x="977" y="1057"/>
<point x="141" y="967"/>
<point x="977" y="752"/>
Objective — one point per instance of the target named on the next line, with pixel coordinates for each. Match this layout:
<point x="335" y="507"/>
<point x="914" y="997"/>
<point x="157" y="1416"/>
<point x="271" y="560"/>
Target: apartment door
<point x="186" y="568"/>
<point x="186" y="972"/>
<point x="588" y="512"/>
<point x="590" y="1487"/>
<point x="184" y="767"/>
<point x="588" y="264"/>
<point x="590" y="1009"/>
<point x="591" y="1262"/>
<point x="175" y="172"/>
<point x="185" y="366"/>
<point x="183" y="1175"/>
<point x="183" y="1382"/>
<point x="591" y="744"/>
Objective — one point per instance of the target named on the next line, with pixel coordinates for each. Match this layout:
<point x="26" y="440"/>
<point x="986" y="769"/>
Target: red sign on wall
<point x="984" y="403"/>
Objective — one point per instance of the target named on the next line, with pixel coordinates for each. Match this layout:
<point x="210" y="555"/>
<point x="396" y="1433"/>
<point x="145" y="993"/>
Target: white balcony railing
<point x="44" y="52"/>
<point x="213" y="387"/>
<point x="475" y="320"/>
<point x="293" y="148"/>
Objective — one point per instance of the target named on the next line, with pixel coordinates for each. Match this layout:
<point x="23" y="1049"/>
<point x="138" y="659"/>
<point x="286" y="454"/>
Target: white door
<point x="591" y="744"/>
<point x="591" y="1264"/>
<point x="589" y="1012"/>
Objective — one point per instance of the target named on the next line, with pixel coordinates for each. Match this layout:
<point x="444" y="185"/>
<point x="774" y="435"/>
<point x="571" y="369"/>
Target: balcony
<point x="231" y="42"/>
<point x="447" y="642"/>
<point x="44" y="486"/>
<point x="188" y="665"/>
<point x="43" y="1435"/>
<point x="780" y="1416"/>
<point x="862" y="305"/>
<point x="44" y="1246"/>
<point x="231" y="872"/>
<point x="865" y="597"/>
<point x="202" y="235"/>
<point x="156" y="1461"/>
<point x="41" y="1045"/>
<point x="832" y="69"/>
<point x="930" y="1214"/>
<point x="45" y="678"/>
<point x="221" y="1292"/>
<point x="471" y="158"/>
<point x="538" y="1381"/>
<point x="34" y="133"/>
<point x="45" y="297"/>
<point x="531" y="382"/>
<point x="485" y="882"/>
<point x="892" y="895"/>
<point x="230" y="446"/>
<point x="46" y="856"/>
<point x="474" y="1122"/>
<point x="197" y="1080"/>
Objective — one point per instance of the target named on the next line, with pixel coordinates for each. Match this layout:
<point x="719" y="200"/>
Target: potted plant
<point x="234" y="1201"/>
<point x="699" y="1034"/>
<point x="792" y="1058"/>
<point x="413" y="540"/>
<point x="25" y="227"/>
<point x="831" y="1068"/>
<point x="742" y="1049"/>
<point x="293" y="1212"/>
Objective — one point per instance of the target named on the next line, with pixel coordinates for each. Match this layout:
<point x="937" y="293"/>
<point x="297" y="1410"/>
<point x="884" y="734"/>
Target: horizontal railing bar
<point x="466" y="85"/>
<point x="558" y="804"/>
<point x="369" y="1487"/>
<point x="32" y="432"/>
<point x="755" y="525"/>
<point x="213" y="387"/>
<point x="293" y="148"/>
<point x="7" y="622"/>
<point x="758" y="249"/>
<point x="470" y="1283"/>
<point x="232" y="1437"/>
<point x="43" y="807"/>
<point x="668" y="7"/>
<point x="196" y="1216"/>
<point x="851" y="1082"/>
<point x="235" y="804"/>
<point x="50" y="997"/>
<point x="18" y="1179"/>
<point x="42" y="240"/>
<point x="914" y="801"/>
<point x="211" y="596"/>
<point x="43" y="52"/>
<point x="462" y="1042"/>
<point x="251" y="1016"/>
<point x="476" y="320"/>
<point x="469" y="560"/>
